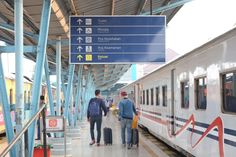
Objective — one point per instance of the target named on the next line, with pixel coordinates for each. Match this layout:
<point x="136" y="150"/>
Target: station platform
<point x="148" y="147"/>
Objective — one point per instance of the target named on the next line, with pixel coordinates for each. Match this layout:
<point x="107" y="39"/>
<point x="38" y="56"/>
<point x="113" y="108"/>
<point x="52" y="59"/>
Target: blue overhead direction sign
<point x="117" y="39"/>
<point x="117" y="20"/>
<point x="124" y="49"/>
<point x="117" y="30"/>
<point x="118" y="58"/>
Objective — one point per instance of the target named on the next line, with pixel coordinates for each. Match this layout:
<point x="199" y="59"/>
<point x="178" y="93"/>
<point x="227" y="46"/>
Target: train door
<point x="173" y="101"/>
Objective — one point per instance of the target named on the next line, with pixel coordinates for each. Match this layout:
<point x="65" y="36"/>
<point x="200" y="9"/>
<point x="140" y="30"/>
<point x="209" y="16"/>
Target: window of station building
<point x="185" y="94"/>
<point x="147" y="94"/>
<point x="164" y="95"/>
<point x="11" y="96"/>
<point x="201" y="93"/>
<point x="157" y="96"/>
<point x="152" y="97"/>
<point x="144" y="97"/>
<point x="229" y="92"/>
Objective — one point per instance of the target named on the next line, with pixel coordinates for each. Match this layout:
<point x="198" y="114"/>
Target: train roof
<point x="227" y="35"/>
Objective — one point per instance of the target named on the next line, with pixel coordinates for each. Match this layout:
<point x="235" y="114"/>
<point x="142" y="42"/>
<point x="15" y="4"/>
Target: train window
<point x="144" y="97"/>
<point x="24" y="97"/>
<point x="152" y="101"/>
<point x="157" y="96"/>
<point x="229" y="92"/>
<point x="201" y="93"/>
<point x="141" y="100"/>
<point x="132" y="96"/>
<point x="147" y="94"/>
<point x="185" y="94"/>
<point x="28" y="96"/>
<point x="164" y="95"/>
<point x="11" y="96"/>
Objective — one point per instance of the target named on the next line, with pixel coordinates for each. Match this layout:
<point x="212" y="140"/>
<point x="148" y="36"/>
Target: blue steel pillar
<point x="71" y="103"/>
<point x="81" y="114"/>
<point x="19" y="50"/>
<point x="87" y="92"/>
<point x="41" y="51"/>
<point x="63" y="91"/>
<point x="78" y="94"/>
<point x="68" y="89"/>
<point x="84" y="96"/>
<point x="58" y="71"/>
<point x="63" y="88"/>
<point x="6" y="109"/>
<point x="46" y="71"/>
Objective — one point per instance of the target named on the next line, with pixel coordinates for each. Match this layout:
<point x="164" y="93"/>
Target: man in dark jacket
<point x="94" y="115"/>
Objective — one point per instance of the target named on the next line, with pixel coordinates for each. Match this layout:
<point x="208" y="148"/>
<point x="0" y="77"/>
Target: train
<point x="28" y="85"/>
<point x="190" y="102"/>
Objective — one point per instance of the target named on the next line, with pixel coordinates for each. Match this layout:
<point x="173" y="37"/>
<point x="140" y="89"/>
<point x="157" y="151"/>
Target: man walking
<point x="94" y="115"/>
<point x="126" y="110"/>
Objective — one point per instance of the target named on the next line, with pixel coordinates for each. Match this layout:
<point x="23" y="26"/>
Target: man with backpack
<point x="94" y="115"/>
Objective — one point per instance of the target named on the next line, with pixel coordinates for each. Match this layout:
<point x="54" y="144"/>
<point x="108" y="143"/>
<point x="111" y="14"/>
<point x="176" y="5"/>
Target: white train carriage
<point x="190" y="103"/>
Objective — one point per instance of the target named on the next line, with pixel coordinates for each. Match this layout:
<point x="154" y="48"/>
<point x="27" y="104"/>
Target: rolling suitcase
<point x="134" y="137"/>
<point x="107" y="135"/>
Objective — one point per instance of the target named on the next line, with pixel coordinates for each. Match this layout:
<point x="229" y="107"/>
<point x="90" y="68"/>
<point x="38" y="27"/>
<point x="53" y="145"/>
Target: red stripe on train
<point x="216" y="123"/>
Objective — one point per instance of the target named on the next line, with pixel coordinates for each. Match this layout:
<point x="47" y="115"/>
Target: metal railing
<point x="25" y="128"/>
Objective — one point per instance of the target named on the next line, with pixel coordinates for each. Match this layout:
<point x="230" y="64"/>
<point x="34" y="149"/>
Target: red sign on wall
<point x="54" y="123"/>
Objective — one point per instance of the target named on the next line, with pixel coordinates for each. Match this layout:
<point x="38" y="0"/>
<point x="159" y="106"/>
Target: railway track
<point x="171" y="152"/>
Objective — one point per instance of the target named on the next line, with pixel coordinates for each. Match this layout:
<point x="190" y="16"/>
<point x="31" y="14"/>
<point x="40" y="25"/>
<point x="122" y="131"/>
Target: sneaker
<point x="98" y="144"/>
<point x="91" y="143"/>
<point x="129" y="146"/>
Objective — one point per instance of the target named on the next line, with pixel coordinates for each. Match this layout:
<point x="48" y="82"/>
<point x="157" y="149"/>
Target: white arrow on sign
<point x="80" y="21"/>
<point x="80" y="39"/>
<point x="80" y="57"/>
<point x="79" y="48"/>
<point x="79" y="30"/>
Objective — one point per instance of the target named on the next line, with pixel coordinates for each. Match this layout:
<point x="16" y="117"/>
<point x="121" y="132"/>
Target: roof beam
<point x="168" y="7"/>
<point x="11" y="49"/>
<point x="4" y="18"/>
<point x="73" y="10"/>
<point x="6" y="40"/>
<point x="112" y="7"/>
<point x="26" y="17"/>
<point x="10" y="28"/>
<point x="60" y="16"/>
<point x="141" y="5"/>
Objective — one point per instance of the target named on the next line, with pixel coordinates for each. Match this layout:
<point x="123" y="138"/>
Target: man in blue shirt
<point x="126" y="110"/>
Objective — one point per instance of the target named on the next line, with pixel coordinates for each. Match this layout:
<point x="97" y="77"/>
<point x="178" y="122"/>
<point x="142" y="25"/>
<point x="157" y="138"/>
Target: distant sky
<point x="198" y="22"/>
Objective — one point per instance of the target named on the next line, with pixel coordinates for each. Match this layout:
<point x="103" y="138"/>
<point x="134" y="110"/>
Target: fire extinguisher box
<point x="38" y="151"/>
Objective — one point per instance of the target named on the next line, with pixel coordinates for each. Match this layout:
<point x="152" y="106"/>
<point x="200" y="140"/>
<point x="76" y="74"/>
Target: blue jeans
<point x="126" y="125"/>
